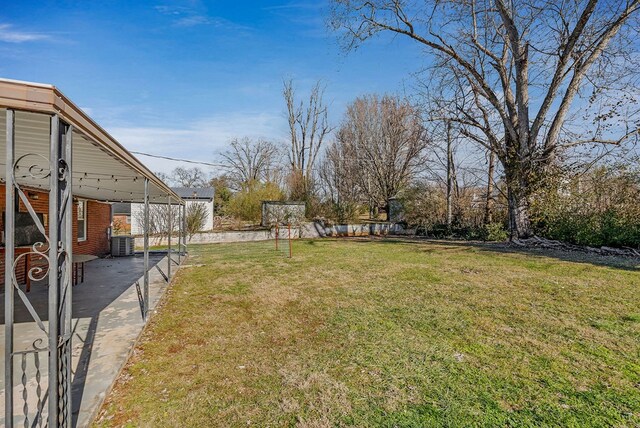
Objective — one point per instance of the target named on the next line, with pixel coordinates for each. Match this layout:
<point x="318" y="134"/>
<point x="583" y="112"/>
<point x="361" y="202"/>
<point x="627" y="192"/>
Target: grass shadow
<point x="631" y="264"/>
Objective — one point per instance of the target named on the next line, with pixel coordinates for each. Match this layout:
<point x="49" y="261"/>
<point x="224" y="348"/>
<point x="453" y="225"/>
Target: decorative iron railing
<point x="51" y="407"/>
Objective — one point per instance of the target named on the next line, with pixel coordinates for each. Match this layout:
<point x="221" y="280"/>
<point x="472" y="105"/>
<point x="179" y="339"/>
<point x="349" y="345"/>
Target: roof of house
<point x="122" y="208"/>
<point x="205" y="193"/>
<point x="102" y="167"/>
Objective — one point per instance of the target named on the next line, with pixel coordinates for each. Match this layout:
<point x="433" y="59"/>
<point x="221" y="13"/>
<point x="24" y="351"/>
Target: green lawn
<point x="387" y="333"/>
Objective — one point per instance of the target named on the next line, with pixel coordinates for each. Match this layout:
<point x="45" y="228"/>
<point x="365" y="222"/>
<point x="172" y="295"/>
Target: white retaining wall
<point x="368" y="229"/>
<point x="307" y="230"/>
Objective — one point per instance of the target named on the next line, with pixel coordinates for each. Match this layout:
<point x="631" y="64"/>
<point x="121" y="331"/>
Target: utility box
<point x="122" y="246"/>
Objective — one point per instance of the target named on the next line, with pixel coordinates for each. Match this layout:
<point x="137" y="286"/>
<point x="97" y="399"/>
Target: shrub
<point x="494" y="232"/>
<point x="599" y="208"/>
<point x="340" y="212"/>
<point x="222" y="187"/>
<point x="195" y="218"/>
<point x="488" y="232"/>
<point x="247" y="203"/>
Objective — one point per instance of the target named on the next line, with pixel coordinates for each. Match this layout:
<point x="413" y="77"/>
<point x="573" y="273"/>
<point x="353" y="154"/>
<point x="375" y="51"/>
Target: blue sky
<point x="180" y="78"/>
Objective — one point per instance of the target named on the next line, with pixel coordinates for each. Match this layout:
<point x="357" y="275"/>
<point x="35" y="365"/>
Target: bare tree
<point x="250" y="161"/>
<point x="164" y="177"/>
<point x="387" y="139"/>
<point x="458" y="162"/>
<point x="308" y="128"/>
<point x="339" y="175"/>
<point x="159" y="220"/>
<point x="189" y="177"/>
<point x="565" y="56"/>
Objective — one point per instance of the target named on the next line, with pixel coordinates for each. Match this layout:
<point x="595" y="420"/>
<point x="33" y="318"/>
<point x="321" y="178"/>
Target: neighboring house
<point x="191" y="195"/>
<point x="121" y="218"/>
<point x="206" y="196"/>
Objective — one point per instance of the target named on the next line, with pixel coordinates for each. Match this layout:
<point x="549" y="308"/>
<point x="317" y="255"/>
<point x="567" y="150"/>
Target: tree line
<point x="522" y="97"/>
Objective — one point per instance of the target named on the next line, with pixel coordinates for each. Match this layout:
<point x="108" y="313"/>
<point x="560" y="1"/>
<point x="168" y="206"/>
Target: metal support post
<point x="60" y="252"/>
<point x="184" y="228"/>
<point x="53" y="274"/>
<point x="145" y="297"/>
<point x="179" y="234"/>
<point x="66" y="221"/>
<point x="9" y="239"/>
<point x="170" y="232"/>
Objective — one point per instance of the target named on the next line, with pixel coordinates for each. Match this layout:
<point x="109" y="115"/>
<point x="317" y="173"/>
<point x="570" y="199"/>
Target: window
<point x="82" y="220"/>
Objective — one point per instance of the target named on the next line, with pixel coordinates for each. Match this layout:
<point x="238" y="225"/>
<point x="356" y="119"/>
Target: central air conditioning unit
<point x="122" y="246"/>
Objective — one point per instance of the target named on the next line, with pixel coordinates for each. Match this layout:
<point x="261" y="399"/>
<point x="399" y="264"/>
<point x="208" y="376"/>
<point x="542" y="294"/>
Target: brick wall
<point x="98" y="223"/>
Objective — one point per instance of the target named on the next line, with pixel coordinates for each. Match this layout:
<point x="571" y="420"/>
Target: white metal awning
<point x="102" y="168"/>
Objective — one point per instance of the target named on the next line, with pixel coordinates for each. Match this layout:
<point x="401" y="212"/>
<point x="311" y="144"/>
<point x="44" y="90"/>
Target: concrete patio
<point x="107" y="320"/>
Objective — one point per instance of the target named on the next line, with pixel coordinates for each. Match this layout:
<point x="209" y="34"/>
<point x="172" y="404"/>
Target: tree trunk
<point x="488" y="208"/>
<point x="519" y="215"/>
<point x="449" y="177"/>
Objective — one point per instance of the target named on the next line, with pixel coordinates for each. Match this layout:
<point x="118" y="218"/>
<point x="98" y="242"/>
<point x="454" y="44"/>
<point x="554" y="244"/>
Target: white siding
<point x="137" y="209"/>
